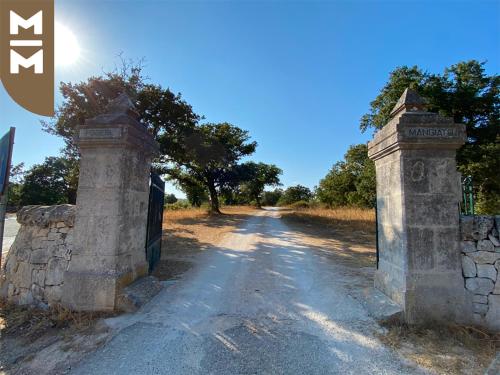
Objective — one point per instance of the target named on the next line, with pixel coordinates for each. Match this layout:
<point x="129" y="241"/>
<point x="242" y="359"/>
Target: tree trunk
<point x="214" y="199"/>
<point x="257" y="201"/>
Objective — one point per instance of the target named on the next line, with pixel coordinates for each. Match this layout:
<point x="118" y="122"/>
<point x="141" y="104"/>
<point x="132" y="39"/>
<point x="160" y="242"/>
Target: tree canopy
<point x="470" y="96"/>
<point x="256" y="176"/>
<point x="210" y="158"/>
<point x="202" y="159"/>
<point x="47" y="183"/>
<point x="350" y="182"/>
<point x="295" y="194"/>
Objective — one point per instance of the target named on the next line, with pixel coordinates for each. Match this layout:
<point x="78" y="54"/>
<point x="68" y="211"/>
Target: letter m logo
<point x="17" y="21"/>
<point x="16" y="59"/>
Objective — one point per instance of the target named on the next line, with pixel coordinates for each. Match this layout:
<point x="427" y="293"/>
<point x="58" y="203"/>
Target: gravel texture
<point x="260" y="303"/>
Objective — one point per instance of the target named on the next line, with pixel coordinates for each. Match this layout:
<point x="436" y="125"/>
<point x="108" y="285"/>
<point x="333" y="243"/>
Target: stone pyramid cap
<point x="122" y="105"/>
<point x="410" y="101"/>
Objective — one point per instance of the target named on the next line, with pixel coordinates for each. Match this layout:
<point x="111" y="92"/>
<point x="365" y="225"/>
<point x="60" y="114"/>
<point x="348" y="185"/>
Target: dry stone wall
<point x="480" y="246"/>
<point x="33" y="272"/>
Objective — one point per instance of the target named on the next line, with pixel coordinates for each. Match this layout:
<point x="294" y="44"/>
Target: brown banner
<point x="27" y="53"/>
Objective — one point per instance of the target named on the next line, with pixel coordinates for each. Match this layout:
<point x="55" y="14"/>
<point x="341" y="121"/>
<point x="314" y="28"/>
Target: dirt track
<point x="261" y="302"/>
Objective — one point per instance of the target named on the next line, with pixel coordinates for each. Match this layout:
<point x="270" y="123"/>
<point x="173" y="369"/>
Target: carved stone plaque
<point x="431" y="132"/>
<point x="100" y="133"/>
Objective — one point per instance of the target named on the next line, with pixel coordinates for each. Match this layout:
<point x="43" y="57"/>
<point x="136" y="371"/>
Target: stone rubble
<point x="33" y="272"/>
<point x="481" y="267"/>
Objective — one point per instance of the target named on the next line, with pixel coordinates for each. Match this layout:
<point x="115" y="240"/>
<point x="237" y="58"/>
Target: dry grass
<point x="343" y="217"/>
<point x="449" y="349"/>
<point x="346" y="234"/>
<point x="186" y="232"/>
<point x="200" y="224"/>
<point x="22" y="321"/>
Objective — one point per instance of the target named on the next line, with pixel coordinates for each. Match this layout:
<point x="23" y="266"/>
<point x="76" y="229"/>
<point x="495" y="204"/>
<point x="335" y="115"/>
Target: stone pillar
<point x="418" y="193"/>
<point x="112" y="207"/>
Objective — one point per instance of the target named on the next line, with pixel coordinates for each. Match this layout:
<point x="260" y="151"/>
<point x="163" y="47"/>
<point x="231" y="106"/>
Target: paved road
<point x="260" y="303"/>
<point x="10" y="230"/>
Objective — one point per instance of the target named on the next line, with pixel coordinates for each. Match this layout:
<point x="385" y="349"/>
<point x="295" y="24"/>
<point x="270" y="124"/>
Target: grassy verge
<point x="36" y="341"/>
<point x="343" y="217"/>
<point x="445" y="349"/>
<point x="346" y="234"/>
<point x="28" y="322"/>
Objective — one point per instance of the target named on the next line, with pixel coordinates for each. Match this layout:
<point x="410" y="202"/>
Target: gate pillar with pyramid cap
<point x="112" y="208"/>
<point x="418" y="193"/>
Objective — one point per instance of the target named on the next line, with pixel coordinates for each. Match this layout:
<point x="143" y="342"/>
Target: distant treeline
<point x="204" y="159"/>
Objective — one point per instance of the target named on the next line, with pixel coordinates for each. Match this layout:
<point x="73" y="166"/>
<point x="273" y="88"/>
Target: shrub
<point x="170" y="198"/>
<point x="300" y="204"/>
<point x="179" y="205"/>
<point x="295" y="194"/>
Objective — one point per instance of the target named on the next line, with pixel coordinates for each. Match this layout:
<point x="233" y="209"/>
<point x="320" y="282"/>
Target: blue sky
<point x="297" y="75"/>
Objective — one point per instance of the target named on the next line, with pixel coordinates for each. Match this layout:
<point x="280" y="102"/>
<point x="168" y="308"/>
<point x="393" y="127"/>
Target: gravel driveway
<point x="259" y="303"/>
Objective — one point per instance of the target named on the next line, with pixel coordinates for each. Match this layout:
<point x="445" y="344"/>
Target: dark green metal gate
<point x="467" y="206"/>
<point x="155" y="220"/>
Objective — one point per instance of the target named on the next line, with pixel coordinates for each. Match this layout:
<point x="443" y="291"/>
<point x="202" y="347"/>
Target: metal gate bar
<point x="155" y="221"/>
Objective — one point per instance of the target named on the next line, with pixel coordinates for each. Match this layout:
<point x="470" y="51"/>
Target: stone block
<point x="467" y="228"/>
<point x="482" y="226"/>
<point x="487" y="271"/>
<point x="63" y="252"/>
<point x="53" y="294"/>
<point x="53" y="236"/>
<point x="430" y="210"/>
<point x="138" y="293"/>
<point x="438" y="296"/>
<point x="11" y="291"/>
<point x="446" y="249"/>
<point x="478" y="298"/>
<point x="497" y="265"/>
<point x="37" y="292"/>
<point x="480" y="308"/>
<point x="493" y="240"/>
<point x="39" y="243"/>
<point x="22" y="277"/>
<point x="420" y="241"/>
<point x="497" y="223"/>
<point x="497" y="283"/>
<point x="43" y="216"/>
<point x="485" y="245"/>
<point x="25" y="298"/>
<point x="479" y="285"/>
<point x="484" y="257"/>
<point x="38" y="277"/>
<point x="493" y="315"/>
<point x="468" y="246"/>
<point x="11" y="264"/>
<point x="41" y="232"/>
<point x="40" y="256"/>
<point x="477" y="319"/>
<point x="468" y="267"/>
<point x="22" y="253"/>
<point x="416" y="175"/>
<point x="55" y="271"/>
<point x="89" y="291"/>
